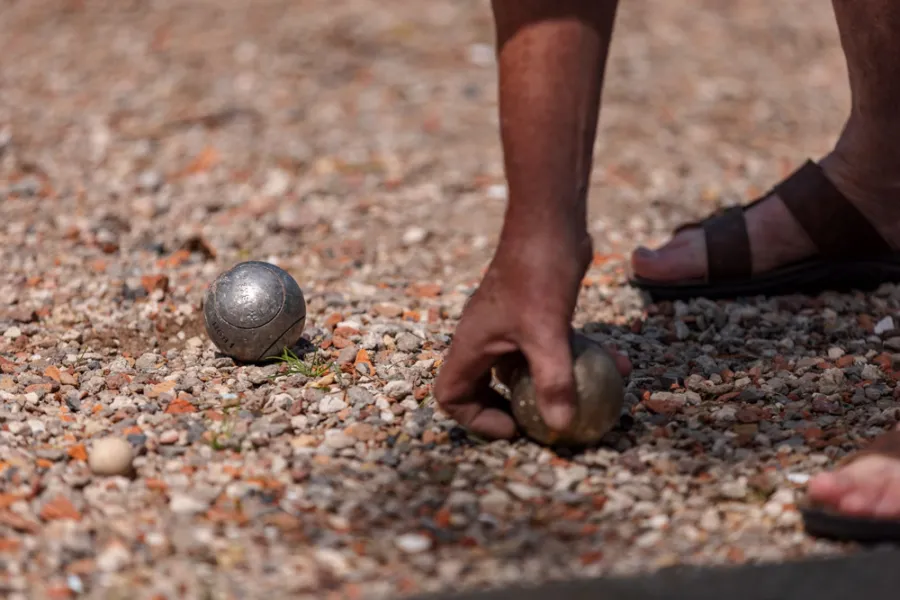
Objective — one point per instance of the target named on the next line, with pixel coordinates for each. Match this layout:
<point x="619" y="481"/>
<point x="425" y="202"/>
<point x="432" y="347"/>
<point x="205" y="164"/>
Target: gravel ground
<point x="147" y="146"/>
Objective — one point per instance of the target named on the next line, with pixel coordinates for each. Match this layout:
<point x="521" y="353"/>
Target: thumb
<point x="554" y="380"/>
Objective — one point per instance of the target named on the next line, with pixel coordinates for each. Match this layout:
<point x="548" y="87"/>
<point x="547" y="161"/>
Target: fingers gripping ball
<point x="600" y="392"/>
<point x="253" y="311"/>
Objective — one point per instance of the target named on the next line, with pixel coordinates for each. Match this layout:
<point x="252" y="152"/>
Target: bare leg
<point x="864" y="164"/>
<point x="552" y="56"/>
<point x="868" y="152"/>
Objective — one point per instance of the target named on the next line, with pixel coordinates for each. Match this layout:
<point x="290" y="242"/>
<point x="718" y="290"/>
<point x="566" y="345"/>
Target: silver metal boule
<point x="600" y="395"/>
<point x="254" y="310"/>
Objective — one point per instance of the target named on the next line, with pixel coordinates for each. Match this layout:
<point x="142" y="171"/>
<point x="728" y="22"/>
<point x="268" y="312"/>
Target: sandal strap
<point x="832" y="222"/>
<point x="834" y="225"/>
<point x="727" y="245"/>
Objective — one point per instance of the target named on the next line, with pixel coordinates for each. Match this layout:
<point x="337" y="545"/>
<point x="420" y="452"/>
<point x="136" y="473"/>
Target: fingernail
<point x="558" y="416"/>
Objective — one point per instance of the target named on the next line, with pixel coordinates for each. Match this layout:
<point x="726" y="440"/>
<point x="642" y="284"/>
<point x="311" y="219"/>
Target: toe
<point x="888" y="507"/>
<point x="868" y="487"/>
<point x="857" y="502"/>
<point x="828" y="488"/>
<point x="683" y="257"/>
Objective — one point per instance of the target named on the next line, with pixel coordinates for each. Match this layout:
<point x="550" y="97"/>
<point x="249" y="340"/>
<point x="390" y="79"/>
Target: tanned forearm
<point x="552" y="55"/>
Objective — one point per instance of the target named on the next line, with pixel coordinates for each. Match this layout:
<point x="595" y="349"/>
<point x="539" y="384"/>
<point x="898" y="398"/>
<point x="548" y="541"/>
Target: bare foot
<point x="866" y="487"/>
<point x="776" y="239"/>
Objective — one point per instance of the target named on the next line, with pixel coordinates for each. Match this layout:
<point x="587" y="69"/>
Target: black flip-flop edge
<point x="827" y="524"/>
<point x="870" y="574"/>
<point x="809" y="277"/>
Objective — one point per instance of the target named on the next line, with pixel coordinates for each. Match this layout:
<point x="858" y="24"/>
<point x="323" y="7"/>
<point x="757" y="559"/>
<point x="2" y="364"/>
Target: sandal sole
<point x="826" y="524"/>
<point x="811" y="277"/>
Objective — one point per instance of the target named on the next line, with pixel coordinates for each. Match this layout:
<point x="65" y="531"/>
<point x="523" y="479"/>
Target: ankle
<point x="861" y="179"/>
<point x="871" y="185"/>
<point x="867" y="147"/>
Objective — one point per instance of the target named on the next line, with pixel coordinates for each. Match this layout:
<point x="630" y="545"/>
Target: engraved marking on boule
<point x="244" y="310"/>
<point x="294" y="324"/>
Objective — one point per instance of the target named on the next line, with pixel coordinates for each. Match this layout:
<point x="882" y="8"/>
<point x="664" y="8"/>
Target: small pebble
<point x="883" y="325"/>
<point x="412" y="543"/>
<point x="798" y="478"/>
<point x="332" y="404"/>
<point x="181" y="503"/>
<point x="169" y="436"/>
<point x="149" y="182"/>
<point x="338" y="440"/>
<point x="110" y="456"/>
<point x="414" y="235"/>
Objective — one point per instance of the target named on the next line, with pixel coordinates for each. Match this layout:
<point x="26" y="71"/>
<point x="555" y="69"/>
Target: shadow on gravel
<point x="740" y="379"/>
<point x="165" y="332"/>
<point x="870" y="575"/>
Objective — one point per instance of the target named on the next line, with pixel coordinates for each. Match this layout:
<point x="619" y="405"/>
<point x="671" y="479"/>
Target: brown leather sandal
<point x="825" y="522"/>
<point x="851" y="254"/>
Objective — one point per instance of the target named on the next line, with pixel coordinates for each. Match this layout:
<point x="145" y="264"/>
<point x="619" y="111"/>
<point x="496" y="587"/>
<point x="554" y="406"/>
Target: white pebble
<point x="16" y="427"/>
<point x="12" y="333"/>
<point x="334" y="560"/>
<point x="110" y="456"/>
<point x="414" y="235"/>
<point x="413" y="543"/>
<point x="92" y="427"/>
<point x="482" y="55"/>
<point x="798" y="478"/>
<point x="331" y="404"/>
<point x="75" y="584"/>
<point x="734" y="490"/>
<point x="113" y="558"/>
<point x="658" y="521"/>
<point x="278" y="182"/>
<point x="184" y="504"/>
<point x="149" y="181"/>
<point x="649" y="539"/>
<point x="497" y="192"/>
<point x="885" y="324"/>
<point x="710" y="520"/>
<point x="338" y="440"/>
<point x="522" y="491"/>
<point x="494" y="502"/>
<point x="299" y="422"/>
<point x="398" y="388"/>
<point x="169" y="436"/>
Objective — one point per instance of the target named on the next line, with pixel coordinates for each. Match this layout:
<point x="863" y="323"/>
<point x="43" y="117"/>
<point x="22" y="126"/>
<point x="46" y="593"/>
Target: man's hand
<point x="552" y="54"/>
<point x="525" y="303"/>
